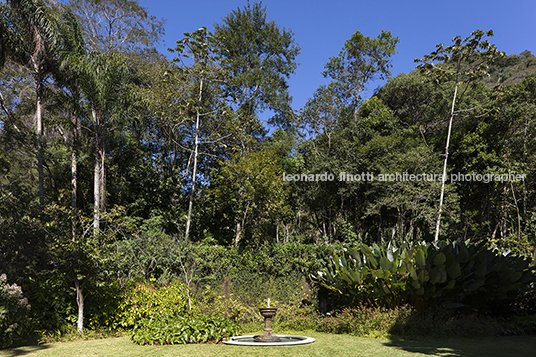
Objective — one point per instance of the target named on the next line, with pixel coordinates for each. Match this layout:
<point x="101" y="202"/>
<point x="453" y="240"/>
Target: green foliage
<point x="14" y="312"/>
<point x="260" y="57"/>
<point x="103" y="305"/>
<point x="53" y="302"/>
<point x="243" y="309"/>
<point x="366" y="321"/>
<point x="360" y="60"/>
<point x="133" y="26"/>
<point x="249" y="194"/>
<point x="146" y="251"/>
<point x="145" y="300"/>
<point x="168" y="329"/>
<point x="452" y="273"/>
<point x="445" y="63"/>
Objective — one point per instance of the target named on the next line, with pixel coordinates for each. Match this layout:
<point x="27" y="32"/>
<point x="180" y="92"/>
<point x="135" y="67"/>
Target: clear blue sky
<point x="321" y="27"/>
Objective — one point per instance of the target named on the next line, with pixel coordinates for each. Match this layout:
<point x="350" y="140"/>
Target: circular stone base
<point x="285" y="340"/>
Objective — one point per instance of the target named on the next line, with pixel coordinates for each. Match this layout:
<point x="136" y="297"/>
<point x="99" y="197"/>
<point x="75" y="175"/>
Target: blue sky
<point x="321" y="27"/>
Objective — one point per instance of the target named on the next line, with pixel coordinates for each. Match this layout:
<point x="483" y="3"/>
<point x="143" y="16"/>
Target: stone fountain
<point x="268" y="313"/>
<point x="267" y="339"/>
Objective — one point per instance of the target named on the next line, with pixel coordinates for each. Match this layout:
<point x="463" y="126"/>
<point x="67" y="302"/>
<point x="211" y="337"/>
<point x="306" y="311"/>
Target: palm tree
<point x="102" y="80"/>
<point x="31" y="32"/>
<point x="73" y="46"/>
<point x="98" y="82"/>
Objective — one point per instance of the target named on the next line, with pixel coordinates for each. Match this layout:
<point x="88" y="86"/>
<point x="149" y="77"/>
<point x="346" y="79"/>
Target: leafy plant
<point x="366" y="321"/>
<point x="167" y="329"/>
<point x="452" y="273"/>
<point x="13" y="312"/>
<point x="146" y="300"/>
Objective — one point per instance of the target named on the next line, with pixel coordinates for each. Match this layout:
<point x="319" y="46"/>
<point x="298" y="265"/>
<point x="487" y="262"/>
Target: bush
<point x="53" y="302"/>
<point x="454" y="274"/>
<point x="244" y="312"/>
<point x="103" y="305"/>
<point x="14" y="308"/>
<point x="167" y="329"/>
<point x="366" y="321"/>
<point x="145" y="301"/>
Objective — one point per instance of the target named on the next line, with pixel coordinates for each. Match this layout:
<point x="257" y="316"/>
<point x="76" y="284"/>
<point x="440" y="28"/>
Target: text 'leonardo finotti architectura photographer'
<point x="404" y="176"/>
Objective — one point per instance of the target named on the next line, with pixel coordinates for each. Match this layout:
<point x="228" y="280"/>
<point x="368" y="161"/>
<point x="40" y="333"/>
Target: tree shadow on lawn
<point x="500" y="346"/>
<point x="23" y="347"/>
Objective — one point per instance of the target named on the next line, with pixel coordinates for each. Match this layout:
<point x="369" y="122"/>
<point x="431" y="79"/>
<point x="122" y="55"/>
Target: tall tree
<point x="34" y="51"/>
<point x="116" y="25"/>
<point x="69" y="96"/>
<point x="203" y="104"/>
<point x="249" y="194"/>
<point x="260" y="57"/>
<point x="361" y="60"/>
<point x="464" y="61"/>
<point x="103" y="80"/>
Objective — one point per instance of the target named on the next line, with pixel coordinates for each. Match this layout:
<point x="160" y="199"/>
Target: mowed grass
<point x="325" y="345"/>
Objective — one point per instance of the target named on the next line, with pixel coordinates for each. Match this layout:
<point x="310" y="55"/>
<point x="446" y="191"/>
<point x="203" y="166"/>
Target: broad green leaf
<point x="420" y="258"/>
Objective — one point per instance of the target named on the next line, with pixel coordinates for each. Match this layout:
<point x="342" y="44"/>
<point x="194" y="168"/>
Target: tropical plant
<point x="30" y="39"/>
<point x="168" y="329"/>
<point x="454" y="274"/>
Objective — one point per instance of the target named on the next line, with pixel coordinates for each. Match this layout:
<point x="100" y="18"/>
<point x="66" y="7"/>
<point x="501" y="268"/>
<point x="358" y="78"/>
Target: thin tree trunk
<point x="240" y="225"/>
<point x="194" y="170"/>
<point x="238" y="233"/>
<point x="39" y="133"/>
<point x="444" y="176"/>
<point x="97" y="175"/>
<point x="80" y="302"/>
<point x="74" y="171"/>
<point x="518" y="213"/>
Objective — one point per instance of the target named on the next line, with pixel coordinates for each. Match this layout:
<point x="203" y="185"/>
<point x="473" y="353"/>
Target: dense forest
<point x="120" y="162"/>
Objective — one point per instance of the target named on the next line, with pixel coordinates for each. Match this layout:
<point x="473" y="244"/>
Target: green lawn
<point x="325" y="345"/>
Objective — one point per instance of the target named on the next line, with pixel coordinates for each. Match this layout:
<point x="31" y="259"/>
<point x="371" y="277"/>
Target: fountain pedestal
<point x="268" y="313"/>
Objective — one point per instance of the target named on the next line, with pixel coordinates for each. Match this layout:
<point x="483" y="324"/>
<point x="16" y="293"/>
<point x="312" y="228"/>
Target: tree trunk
<point x="80" y="302"/>
<point x="39" y="133"/>
<point x="98" y="173"/>
<point x="443" y="178"/>
<point x="194" y="170"/>
<point x="240" y="225"/>
<point x="74" y="171"/>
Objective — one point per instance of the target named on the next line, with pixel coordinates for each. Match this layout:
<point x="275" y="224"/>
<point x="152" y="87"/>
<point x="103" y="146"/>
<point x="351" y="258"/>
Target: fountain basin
<point x="285" y="340"/>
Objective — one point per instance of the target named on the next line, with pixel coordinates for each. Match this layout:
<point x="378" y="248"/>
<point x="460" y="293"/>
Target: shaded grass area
<point x="325" y="345"/>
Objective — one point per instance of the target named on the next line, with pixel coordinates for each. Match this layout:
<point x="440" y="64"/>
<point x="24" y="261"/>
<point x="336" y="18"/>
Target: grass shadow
<point x="499" y="346"/>
<point x="24" y="347"/>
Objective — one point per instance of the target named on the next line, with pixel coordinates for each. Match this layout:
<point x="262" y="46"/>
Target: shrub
<point x="53" y="302"/>
<point x="14" y="309"/>
<point x="167" y="329"/>
<point x="146" y="300"/>
<point x="450" y="273"/>
<point x="366" y="321"/>
<point x="103" y="305"/>
<point x="243" y="312"/>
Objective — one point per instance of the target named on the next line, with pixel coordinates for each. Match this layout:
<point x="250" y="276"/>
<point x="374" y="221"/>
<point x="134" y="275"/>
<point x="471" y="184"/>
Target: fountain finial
<point x="268" y="302"/>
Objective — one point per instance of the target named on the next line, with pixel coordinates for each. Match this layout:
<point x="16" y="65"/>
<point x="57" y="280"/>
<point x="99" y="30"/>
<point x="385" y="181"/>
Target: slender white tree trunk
<point x="39" y="133"/>
<point x="80" y="302"/>
<point x="444" y="176"/>
<point x="97" y="174"/>
<point x="74" y="172"/>
<point x="194" y="169"/>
